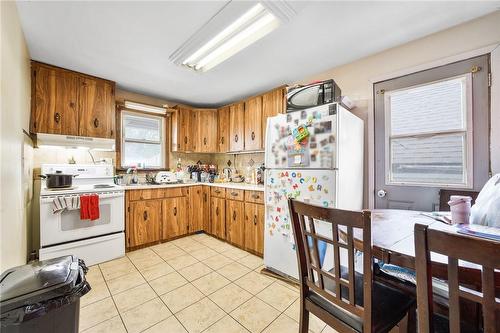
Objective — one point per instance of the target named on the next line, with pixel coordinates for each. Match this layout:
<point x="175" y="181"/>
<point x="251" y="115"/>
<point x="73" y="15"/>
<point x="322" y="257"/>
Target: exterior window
<point x="143" y="141"/>
<point x="429" y="134"/>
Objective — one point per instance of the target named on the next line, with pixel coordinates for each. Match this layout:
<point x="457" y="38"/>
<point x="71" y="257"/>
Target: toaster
<point x="165" y="177"/>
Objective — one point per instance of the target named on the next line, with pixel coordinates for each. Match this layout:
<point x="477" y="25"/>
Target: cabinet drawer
<point x="157" y="193"/>
<point x="173" y="192"/>
<point x="235" y="194"/>
<point x="218" y="192"/>
<point x="254" y="196"/>
<point x="145" y="194"/>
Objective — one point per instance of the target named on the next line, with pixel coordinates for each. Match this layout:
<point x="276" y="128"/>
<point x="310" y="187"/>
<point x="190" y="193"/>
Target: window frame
<point x="467" y="132"/>
<point x="164" y="139"/>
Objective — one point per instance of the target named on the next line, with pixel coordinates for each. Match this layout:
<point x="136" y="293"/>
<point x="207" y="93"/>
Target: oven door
<point x="67" y="226"/>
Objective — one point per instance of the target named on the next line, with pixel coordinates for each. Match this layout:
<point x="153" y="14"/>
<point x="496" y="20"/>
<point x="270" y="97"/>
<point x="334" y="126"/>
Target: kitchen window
<point x="429" y="133"/>
<point x="143" y="140"/>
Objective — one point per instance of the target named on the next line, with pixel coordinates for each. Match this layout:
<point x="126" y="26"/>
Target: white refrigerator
<point x="324" y="168"/>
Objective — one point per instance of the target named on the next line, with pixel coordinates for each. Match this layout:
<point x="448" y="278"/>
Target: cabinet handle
<point x="145" y="215"/>
<point x="234" y="194"/>
<point x="253" y="136"/>
<point x="234" y="215"/>
<point x="255" y="196"/>
<point x="72" y="104"/>
<point x="222" y="140"/>
<point x="96" y="122"/>
<point x="205" y="141"/>
<point x="217" y="191"/>
<point x="205" y="197"/>
<point x="255" y="220"/>
<point x="236" y="138"/>
<point x="57" y="117"/>
<point x="216" y="211"/>
<point x="185" y="140"/>
<point x="175" y="211"/>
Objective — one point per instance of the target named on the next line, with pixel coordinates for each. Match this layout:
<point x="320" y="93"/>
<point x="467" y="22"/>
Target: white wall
<point x="356" y="79"/>
<point x="15" y="155"/>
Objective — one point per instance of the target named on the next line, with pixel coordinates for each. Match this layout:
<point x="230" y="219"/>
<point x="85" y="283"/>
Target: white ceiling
<point x="130" y="42"/>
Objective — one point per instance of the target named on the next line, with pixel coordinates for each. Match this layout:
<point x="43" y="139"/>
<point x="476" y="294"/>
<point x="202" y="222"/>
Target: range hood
<point x="71" y="141"/>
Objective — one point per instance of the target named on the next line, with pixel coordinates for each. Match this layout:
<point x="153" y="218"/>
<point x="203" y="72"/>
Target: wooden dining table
<point x="393" y="242"/>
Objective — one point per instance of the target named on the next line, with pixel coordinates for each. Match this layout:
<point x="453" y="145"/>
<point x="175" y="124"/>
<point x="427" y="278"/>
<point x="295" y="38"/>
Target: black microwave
<point x="311" y="95"/>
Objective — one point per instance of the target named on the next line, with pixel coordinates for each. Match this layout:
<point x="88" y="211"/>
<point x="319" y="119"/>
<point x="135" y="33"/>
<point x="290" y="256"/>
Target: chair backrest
<point x="311" y="273"/>
<point x="482" y="252"/>
<point x="444" y="197"/>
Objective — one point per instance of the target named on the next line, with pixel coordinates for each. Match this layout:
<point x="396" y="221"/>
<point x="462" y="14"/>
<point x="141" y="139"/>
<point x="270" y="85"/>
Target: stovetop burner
<point x="103" y="186"/>
<point x="55" y="189"/>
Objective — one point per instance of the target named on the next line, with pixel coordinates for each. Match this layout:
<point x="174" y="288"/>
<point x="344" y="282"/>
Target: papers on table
<point x="480" y="231"/>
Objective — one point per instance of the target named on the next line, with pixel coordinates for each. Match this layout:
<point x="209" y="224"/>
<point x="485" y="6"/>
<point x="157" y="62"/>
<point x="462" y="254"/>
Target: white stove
<point x="65" y="233"/>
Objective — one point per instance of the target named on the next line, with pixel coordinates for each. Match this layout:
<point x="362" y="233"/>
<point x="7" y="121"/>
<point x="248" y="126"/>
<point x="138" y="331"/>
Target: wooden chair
<point x="346" y="300"/>
<point x="485" y="253"/>
<point x="444" y="197"/>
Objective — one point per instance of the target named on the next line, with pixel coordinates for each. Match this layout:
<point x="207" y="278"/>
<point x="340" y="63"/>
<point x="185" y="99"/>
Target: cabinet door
<point x="253" y="123"/>
<point x="273" y="103"/>
<point x="218" y="217"/>
<point x="194" y="134"/>
<point x="223" y="129"/>
<point x="55" y="98"/>
<point x="96" y="108"/>
<point x="196" y="213"/>
<point x="145" y="217"/>
<point x="235" y="228"/>
<point x="254" y="227"/>
<point x="207" y="130"/>
<point x="236" y="127"/>
<point x="206" y="209"/>
<point x="175" y="217"/>
<point x="183" y="129"/>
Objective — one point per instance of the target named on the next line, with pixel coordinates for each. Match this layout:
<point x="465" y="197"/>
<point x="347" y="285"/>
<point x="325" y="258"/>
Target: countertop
<point x="236" y="186"/>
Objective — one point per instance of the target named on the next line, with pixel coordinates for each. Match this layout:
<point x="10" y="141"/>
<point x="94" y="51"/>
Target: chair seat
<point x="389" y="305"/>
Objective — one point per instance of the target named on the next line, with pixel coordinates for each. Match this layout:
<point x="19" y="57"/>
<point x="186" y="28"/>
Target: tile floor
<point x="192" y="284"/>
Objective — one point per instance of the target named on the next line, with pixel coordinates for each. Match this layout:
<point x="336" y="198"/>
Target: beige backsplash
<point x="58" y="155"/>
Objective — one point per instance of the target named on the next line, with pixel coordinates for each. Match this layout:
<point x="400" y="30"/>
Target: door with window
<point x="431" y="133"/>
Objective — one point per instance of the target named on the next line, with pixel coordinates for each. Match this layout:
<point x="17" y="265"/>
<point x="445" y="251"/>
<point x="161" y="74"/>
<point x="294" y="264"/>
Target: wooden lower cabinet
<point x="254" y="227"/>
<point x="196" y="208"/>
<point x="235" y="218"/>
<point x="155" y="215"/>
<point x="206" y="225"/>
<point x="144" y="220"/>
<point x="175" y="217"/>
<point x="218" y="217"/>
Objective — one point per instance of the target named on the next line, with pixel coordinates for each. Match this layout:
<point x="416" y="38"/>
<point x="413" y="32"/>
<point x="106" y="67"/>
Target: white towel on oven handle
<point x="60" y="204"/>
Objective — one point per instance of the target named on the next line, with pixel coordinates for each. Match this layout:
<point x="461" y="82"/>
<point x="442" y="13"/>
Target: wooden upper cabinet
<point x="97" y="108"/>
<point x="71" y="103"/>
<point x="254" y="227"/>
<point x="181" y="129"/>
<point x="144" y="222"/>
<point x="223" y="129"/>
<point x="206" y="131"/>
<point x="273" y="103"/>
<point x="253" y="123"/>
<point x="236" y="127"/>
<point x="54" y="101"/>
<point x="175" y="217"/>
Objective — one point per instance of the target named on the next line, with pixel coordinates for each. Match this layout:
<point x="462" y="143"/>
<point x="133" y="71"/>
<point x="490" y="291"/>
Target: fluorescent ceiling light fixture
<point x="254" y="24"/>
<point x="145" y="107"/>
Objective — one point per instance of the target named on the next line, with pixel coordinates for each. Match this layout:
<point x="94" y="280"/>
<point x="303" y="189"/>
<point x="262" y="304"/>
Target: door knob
<point x="381" y="193"/>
